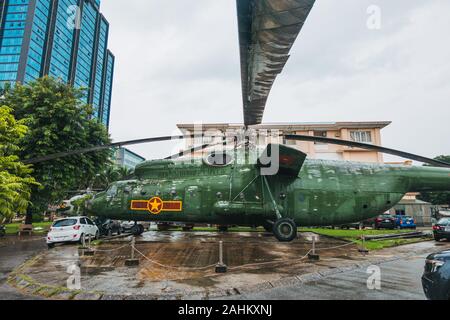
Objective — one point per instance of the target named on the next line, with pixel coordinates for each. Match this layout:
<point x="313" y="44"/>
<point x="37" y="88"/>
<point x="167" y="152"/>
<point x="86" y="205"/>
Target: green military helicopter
<point x="275" y="187"/>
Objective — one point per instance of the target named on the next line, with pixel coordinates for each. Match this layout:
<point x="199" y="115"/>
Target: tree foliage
<point x="15" y="177"/>
<point x="58" y="121"/>
<point x="437" y="198"/>
<point x="111" y="174"/>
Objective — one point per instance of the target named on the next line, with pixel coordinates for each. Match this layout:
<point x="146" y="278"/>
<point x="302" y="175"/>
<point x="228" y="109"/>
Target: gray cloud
<point x="178" y="62"/>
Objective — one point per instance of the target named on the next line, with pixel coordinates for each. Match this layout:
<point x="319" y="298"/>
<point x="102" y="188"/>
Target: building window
<point x="289" y="142"/>
<point x="322" y="134"/>
<point x="361" y="136"/>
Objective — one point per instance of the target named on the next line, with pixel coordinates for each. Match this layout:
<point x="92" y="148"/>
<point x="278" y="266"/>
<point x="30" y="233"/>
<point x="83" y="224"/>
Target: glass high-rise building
<point x="66" y="39"/>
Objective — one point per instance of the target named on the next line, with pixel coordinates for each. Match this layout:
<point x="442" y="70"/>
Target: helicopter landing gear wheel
<point x="285" y="230"/>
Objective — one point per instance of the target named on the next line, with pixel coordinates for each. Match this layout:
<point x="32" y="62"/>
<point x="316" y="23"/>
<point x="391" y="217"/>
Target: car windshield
<point x="65" y="223"/>
<point x="444" y="221"/>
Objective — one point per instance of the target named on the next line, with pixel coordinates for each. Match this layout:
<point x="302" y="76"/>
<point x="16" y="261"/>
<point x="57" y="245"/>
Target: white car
<point x="72" y="229"/>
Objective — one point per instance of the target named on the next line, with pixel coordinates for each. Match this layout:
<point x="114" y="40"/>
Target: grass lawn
<point x="355" y="236"/>
<point x="38" y="227"/>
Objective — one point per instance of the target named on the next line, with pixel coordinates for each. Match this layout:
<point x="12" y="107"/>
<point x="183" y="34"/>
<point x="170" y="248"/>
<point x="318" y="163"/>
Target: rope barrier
<point x="270" y="262"/>
<point x="232" y="268"/>
<point x="172" y="267"/>
<point x="336" y="247"/>
<point x="111" y="250"/>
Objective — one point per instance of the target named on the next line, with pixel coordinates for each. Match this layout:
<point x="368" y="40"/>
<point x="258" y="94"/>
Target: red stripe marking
<point x="139" y="204"/>
<point x="172" y="206"/>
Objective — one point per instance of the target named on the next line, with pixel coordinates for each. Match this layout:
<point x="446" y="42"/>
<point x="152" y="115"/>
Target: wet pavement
<point x="184" y="262"/>
<point x="14" y="252"/>
<point x="181" y="264"/>
<point x="400" y="280"/>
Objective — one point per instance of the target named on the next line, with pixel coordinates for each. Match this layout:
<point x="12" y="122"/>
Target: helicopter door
<point x="280" y="194"/>
<point x="192" y="201"/>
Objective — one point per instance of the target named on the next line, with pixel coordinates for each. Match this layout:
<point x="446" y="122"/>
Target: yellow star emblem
<point x="155" y="205"/>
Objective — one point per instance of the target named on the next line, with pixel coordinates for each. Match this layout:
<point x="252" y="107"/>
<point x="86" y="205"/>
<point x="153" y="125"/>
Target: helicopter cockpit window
<point x="219" y="159"/>
<point x="112" y="191"/>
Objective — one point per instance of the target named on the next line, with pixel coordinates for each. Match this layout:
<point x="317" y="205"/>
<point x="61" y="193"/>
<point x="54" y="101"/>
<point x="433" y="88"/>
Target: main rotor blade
<point x="107" y="146"/>
<point x="267" y="32"/>
<point x="194" y="149"/>
<point x="367" y="146"/>
<point x="188" y="151"/>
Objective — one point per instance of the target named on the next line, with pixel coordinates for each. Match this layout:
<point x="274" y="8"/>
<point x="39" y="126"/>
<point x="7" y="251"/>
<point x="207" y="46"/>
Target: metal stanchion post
<point x="89" y="251"/>
<point x="312" y="255"/>
<point x="133" y="242"/>
<point x="363" y="249"/>
<point x="132" y="262"/>
<point x="221" y="267"/>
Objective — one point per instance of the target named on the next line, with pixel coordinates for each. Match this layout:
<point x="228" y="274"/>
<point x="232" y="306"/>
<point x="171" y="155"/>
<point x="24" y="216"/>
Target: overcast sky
<point x="177" y="61"/>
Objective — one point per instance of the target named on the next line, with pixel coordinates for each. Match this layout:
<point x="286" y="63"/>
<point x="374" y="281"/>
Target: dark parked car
<point x="108" y="227"/>
<point x="358" y="225"/>
<point x="436" y="277"/>
<point x="441" y="230"/>
<point x="2" y="231"/>
<point x="385" y="221"/>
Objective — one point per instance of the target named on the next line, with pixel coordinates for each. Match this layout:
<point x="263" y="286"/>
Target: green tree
<point x="58" y="121"/>
<point x="111" y="174"/>
<point x="106" y="177"/>
<point x="437" y="198"/>
<point x="125" y="173"/>
<point x="15" y="177"/>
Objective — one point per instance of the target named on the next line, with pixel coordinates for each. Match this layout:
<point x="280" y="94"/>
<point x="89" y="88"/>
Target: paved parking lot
<point x="400" y="279"/>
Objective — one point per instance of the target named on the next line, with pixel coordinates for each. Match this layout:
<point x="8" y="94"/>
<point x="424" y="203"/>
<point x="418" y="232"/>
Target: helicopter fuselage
<point x="323" y="193"/>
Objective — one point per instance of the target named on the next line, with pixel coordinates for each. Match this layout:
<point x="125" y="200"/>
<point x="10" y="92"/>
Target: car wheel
<point x="437" y="239"/>
<point x="119" y="231"/>
<point x="50" y="245"/>
<point x="97" y="235"/>
<point x="82" y="238"/>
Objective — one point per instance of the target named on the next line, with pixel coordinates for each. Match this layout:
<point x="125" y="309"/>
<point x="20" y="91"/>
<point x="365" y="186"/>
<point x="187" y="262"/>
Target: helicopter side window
<point x="112" y="192"/>
<point x="219" y="159"/>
